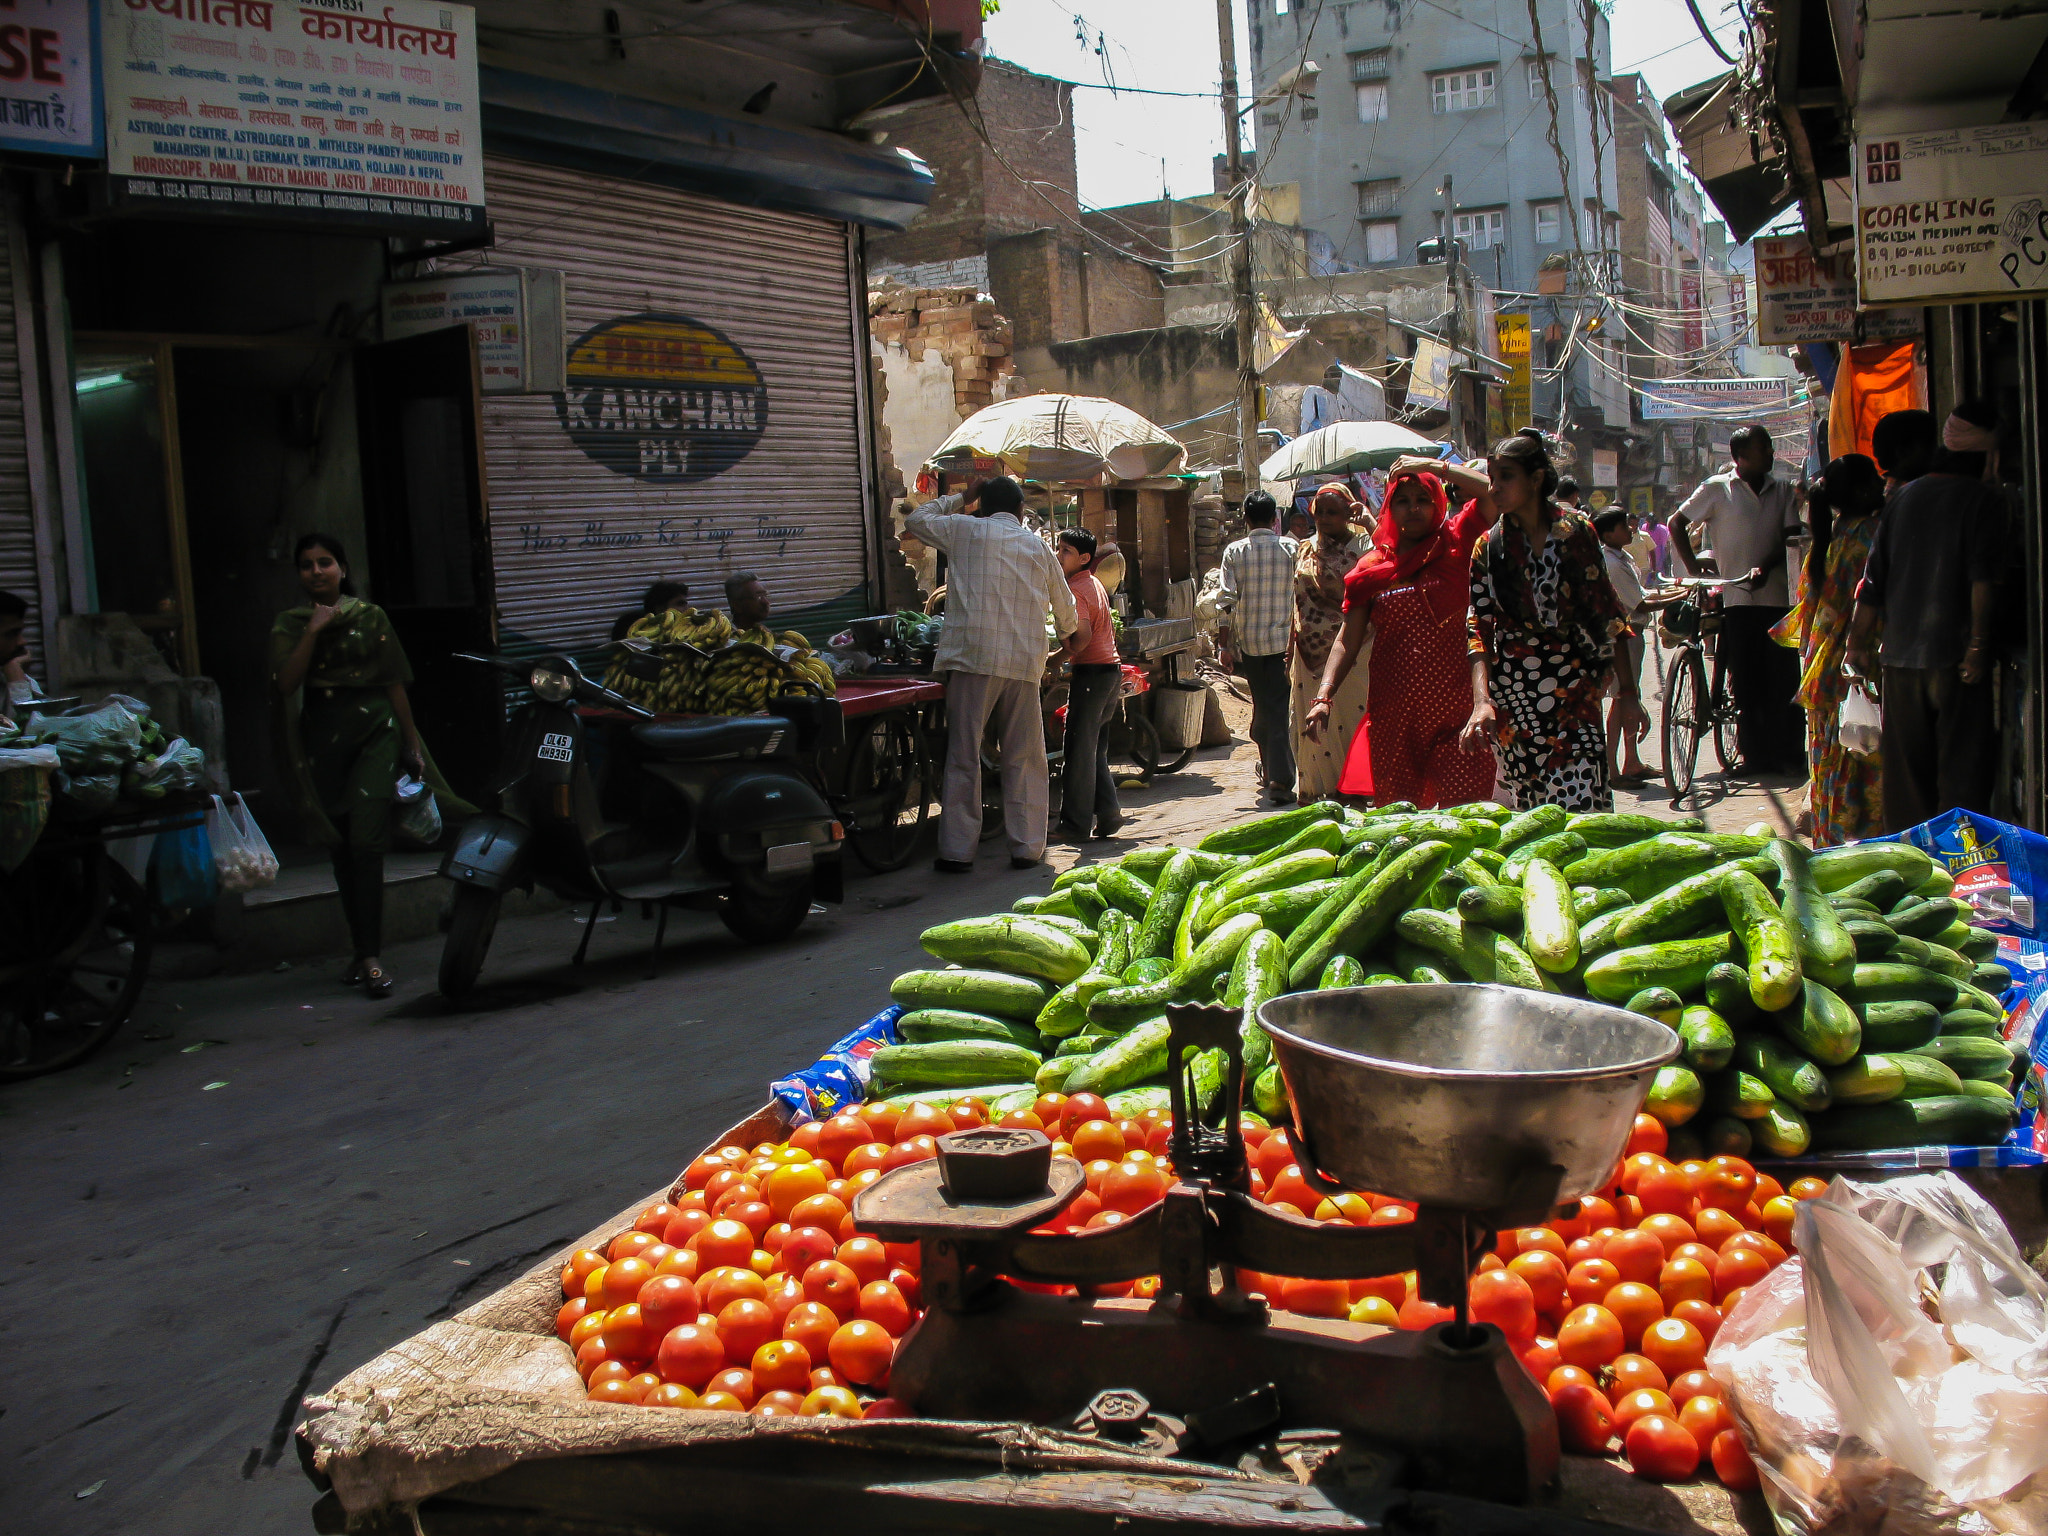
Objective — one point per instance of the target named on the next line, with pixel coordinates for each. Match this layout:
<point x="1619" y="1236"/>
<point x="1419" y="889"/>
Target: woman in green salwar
<point x="347" y="732"/>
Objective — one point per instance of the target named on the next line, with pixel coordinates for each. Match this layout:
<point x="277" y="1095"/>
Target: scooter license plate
<point x="556" y="748"/>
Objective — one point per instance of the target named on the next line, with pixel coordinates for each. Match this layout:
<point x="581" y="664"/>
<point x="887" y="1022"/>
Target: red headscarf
<point x="1438" y="562"/>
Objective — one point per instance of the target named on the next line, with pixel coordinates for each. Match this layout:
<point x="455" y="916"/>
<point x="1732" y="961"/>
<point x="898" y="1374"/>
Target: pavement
<point x="267" y="1180"/>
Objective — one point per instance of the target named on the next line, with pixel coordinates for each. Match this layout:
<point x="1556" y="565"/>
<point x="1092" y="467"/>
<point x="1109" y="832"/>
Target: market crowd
<point x="1466" y="631"/>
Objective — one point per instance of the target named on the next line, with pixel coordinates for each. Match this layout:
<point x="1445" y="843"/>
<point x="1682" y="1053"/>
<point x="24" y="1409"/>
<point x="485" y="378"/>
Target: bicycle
<point x="1132" y="739"/>
<point x="1694" y="706"/>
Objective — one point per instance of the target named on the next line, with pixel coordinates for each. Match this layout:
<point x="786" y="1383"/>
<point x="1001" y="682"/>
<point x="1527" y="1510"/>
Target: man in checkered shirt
<point x="1256" y="592"/>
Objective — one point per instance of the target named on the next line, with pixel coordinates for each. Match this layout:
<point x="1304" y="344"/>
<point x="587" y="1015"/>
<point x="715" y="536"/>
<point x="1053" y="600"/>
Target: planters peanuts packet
<point x="840" y="1076"/>
<point x="2000" y="870"/>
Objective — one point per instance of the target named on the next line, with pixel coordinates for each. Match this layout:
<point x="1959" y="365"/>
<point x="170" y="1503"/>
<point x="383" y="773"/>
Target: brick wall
<point x="1121" y="294"/>
<point x="917" y="329"/>
<point x="953" y="223"/>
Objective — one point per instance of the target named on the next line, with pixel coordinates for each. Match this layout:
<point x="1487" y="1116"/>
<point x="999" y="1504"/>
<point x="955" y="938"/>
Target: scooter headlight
<point x="550" y="686"/>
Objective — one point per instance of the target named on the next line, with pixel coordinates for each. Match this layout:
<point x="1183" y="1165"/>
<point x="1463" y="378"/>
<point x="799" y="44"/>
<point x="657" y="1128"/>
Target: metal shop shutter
<point x="17" y="524"/>
<point x="664" y="479"/>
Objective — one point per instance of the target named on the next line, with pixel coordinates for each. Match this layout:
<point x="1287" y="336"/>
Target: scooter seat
<point x="714" y="736"/>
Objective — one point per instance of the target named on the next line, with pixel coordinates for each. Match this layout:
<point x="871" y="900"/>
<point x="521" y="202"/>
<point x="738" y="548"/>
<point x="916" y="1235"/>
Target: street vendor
<point x="21" y="688"/>
<point x="1000" y="580"/>
<point x="347" y="731"/>
<point x="748" y="604"/>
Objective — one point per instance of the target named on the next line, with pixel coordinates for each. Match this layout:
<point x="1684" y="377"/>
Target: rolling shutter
<point x="17" y="523"/>
<point x="711" y="424"/>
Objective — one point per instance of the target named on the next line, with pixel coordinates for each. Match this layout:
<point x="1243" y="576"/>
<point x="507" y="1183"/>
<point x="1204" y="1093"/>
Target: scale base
<point x="1469" y="1420"/>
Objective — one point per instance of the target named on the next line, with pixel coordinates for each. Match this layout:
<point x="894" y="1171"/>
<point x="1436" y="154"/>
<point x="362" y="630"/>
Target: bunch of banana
<point x="739" y="683"/>
<point x="681" y="688"/>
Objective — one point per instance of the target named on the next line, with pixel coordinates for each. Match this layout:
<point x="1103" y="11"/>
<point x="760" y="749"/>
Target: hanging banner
<point x="1678" y="399"/>
<point x="1803" y="298"/>
<point x="1512" y="334"/>
<point x="314" y="112"/>
<point x="1954" y="215"/>
<point x="1429" y="374"/>
<point x="50" y="78"/>
<point x="1693" y="333"/>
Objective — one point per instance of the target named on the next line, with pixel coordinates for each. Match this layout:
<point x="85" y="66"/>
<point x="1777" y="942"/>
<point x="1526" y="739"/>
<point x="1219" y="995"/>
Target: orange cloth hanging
<point x="1872" y="382"/>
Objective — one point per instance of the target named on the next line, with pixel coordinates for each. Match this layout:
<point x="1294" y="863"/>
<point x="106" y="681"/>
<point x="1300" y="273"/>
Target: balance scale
<point x="1487" y="1106"/>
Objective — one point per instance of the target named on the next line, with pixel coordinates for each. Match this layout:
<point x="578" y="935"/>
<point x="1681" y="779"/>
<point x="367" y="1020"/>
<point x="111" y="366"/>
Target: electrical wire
<point x="1713" y="42"/>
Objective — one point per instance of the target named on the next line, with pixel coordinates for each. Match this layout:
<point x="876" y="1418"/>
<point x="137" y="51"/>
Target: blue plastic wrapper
<point x="840" y="1076"/>
<point x="2000" y="870"/>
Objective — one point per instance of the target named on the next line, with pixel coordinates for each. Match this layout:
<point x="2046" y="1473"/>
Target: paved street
<point x="267" y="1180"/>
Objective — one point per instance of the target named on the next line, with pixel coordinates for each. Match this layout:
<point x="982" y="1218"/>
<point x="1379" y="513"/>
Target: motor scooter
<point x="715" y="813"/>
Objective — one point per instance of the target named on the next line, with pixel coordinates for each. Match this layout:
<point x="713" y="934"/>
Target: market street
<point x="314" y="1177"/>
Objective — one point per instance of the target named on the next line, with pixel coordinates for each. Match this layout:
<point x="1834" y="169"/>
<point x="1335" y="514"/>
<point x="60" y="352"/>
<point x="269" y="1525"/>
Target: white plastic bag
<point x="1894" y="1377"/>
<point x="1857" y="727"/>
<point x="242" y="856"/>
<point x="419" y="815"/>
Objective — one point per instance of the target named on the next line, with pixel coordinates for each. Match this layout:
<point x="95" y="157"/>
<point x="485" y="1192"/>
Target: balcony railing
<point x="1369" y="66"/>
<point x="1372" y="204"/>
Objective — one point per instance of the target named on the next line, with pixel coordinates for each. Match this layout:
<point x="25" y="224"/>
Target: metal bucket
<point x="1452" y="1096"/>
<point x="1177" y="715"/>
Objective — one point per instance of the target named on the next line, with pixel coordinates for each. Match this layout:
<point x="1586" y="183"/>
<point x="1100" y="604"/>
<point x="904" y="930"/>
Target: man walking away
<point x="1751" y="513"/>
<point x="1256" y="592"/>
<point x="1087" y="787"/>
<point x="1904" y="444"/>
<point x="1000" y="579"/>
<point x="1930" y="578"/>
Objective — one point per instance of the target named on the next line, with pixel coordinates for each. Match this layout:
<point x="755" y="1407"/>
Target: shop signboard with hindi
<point x="334" y="112"/>
<point x="49" y="78"/>
<point x="1512" y="332"/>
<point x="1802" y="297"/>
<point x="1953" y="215"/>
<point x="1681" y="399"/>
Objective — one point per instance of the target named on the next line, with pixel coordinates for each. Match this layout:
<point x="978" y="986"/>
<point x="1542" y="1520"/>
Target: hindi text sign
<point x="1802" y="297"/>
<point x="49" y="78"/>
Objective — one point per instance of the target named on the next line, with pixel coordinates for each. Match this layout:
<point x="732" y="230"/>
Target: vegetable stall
<point x="815" y="1282"/>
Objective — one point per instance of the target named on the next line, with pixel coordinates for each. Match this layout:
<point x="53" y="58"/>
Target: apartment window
<point x="1382" y="241"/>
<point x="1539" y="74"/>
<point x="1281" y="7"/>
<point x="1481" y="229"/>
<point x="1549" y="223"/>
<point x="1461" y="90"/>
<point x="1379" y="197"/>
<point x="1372" y="101"/>
<point x="1375" y="65"/>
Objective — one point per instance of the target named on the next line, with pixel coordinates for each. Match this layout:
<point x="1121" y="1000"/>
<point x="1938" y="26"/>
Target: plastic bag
<point x="242" y="857"/>
<point x="1999" y="869"/>
<point x="181" y="869"/>
<point x="1876" y="1399"/>
<point x="419" y="818"/>
<point x="840" y="1076"/>
<point x="88" y="792"/>
<point x="1857" y="727"/>
<point x="93" y="741"/>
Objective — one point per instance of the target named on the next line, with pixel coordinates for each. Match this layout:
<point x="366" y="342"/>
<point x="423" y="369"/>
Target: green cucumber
<point x="1990" y="976"/>
<point x="1676" y="1094"/>
<point x="1897" y="1026"/>
<point x="1323" y="836"/>
<point x="1883" y="890"/>
<point x="1492" y="906"/>
<point x="1163" y="911"/>
<point x="1772" y="948"/>
<point x="1927" y="1078"/>
<point x="1872" y="937"/>
<point x="1741" y="1094"/>
<point x="1596" y="936"/>
<point x="1184" y="929"/>
<point x="1011" y="943"/>
<point x="1265" y="978"/>
<point x="1708" y="1042"/>
<point x="1146" y="968"/>
<point x="1846" y="909"/>
<point x="1726" y="1136"/>
<point x="1827" y="953"/>
<point x="1219" y="949"/>
<point x="1311" y="928"/>
<point x="994" y="992"/>
<point x="1550" y="925"/>
<point x="1926" y="917"/>
<point x="1821" y="1026"/>
<point x="1121" y="1007"/>
<point x="1939" y="882"/>
<point x="1138" y="1054"/>
<point x="1281" y="911"/>
<point x="925" y="1025"/>
<point x="1089" y="904"/>
<point x="1371" y="913"/>
<point x="1088" y="938"/>
<point x="1727" y="990"/>
<point x="1427" y="975"/>
<point x="1684" y="909"/>
<point x="1610" y="829"/>
<point x="1836" y="869"/>
<point x="1342" y="971"/>
<point x="1589" y="901"/>
<point x="1659" y="1003"/>
<point x="1125" y="891"/>
<point x="1998" y="1092"/>
<point x="1645" y="868"/>
<point x="1977" y="1056"/>
<point x="952" y="1064"/>
<point x="1867" y="1079"/>
<point x="1562" y="849"/>
<point x="1269" y="1095"/>
<point x="1680" y="964"/>
<point x="1481" y="953"/>
<point x="1969" y="1021"/>
<point x="1980" y="944"/>
<point x="1782" y="1131"/>
<point x="1264" y="832"/>
<point x="1954" y="1120"/>
<point x="1484" y="810"/>
<point x="1950" y="964"/>
<point x="1292" y="869"/>
<point x="1886" y="982"/>
<point x="1527" y="826"/>
<point x="1789" y="1075"/>
<point x="1384" y="979"/>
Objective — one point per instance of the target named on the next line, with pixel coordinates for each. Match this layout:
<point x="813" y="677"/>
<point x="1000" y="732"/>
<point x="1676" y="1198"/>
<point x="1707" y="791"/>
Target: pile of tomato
<point x="753" y="1292"/>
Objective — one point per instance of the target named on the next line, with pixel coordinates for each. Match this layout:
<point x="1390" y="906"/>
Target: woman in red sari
<point x="1413" y="591"/>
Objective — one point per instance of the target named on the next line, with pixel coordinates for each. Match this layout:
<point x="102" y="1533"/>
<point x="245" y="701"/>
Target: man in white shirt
<point x="1256" y="594"/>
<point x="1750" y="513"/>
<point x="1000" y="580"/>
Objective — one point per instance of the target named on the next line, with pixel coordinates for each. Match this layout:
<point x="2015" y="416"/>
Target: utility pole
<point x="1243" y="301"/>
<point x="1454" y="387"/>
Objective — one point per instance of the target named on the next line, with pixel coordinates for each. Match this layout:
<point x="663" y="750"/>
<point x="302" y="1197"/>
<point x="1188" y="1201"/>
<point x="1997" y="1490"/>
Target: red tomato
<point x="1598" y="1213"/>
<point x="1634" y="1405"/>
<point x="578" y="1269"/>
<point x="1021" y="1120"/>
<point x="1541" y="1358"/>
<point x="1585" y="1419"/>
<point x="1648" y="1135"/>
<point x="811" y="1325"/>
<point x="698" y="1174"/>
<point x="1639" y="1256"/>
<point x="870" y="1155"/>
<point x="916" y="1150"/>
<point x="736" y="1382"/>
<point x="722" y="1287"/>
<point x="690" y="1354"/>
<point x="1634" y="1373"/>
<point x="1131" y="1187"/>
<point x="623" y="1280"/>
<point x="724" y="1243"/>
<point x="827" y="1212"/>
<point x="1636" y="1164"/>
<point x="861" y="1352"/>
<point x="1696" y="1384"/>
<point x="1564" y="1375"/>
<point x="1545" y="1275"/>
<point x="1704" y="1418"/>
<point x="880" y="1302"/>
<point x="804" y="1247"/>
<point x="1315" y="1298"/>
<point x="1674" y="1232"/>
<point x="782" y="1365"/>
<point x="1758" y="1242"/>
<point x="667" y="1302"/>
<point x="1416" y="1314"/>
<point x="1703" y="1315"/>
<point x="744" y="1326"/>
<point x="589" y="1326"/>
<point x="1590" y="1338"/>
<point x="1392" y="1289"/>
<point x="655" y="1218"/>
<point x="1731" y="1460"/>
<point x="1635" y="1307"/>
<point x="571" y="1313"/>
<point x="1504" y="1298"/>
<point x="1290" y="1188"/>
<point x="1079" y="1110"/>
<point x="840" y="1135"/>
<point x="1675" y="1345"/>
<point x="1097" y="1139"/>
<point x="923" y="1119"/>
<point x="1536" y="1240"/>
<point x="1048" y="1109"/>
<point x="685" y="1225"/>
<point x="1274" y="1153"/>
<point x="867" y="1257"/>
<point x="833" y="1284"/>
<point x="1738" y="1269"/>
<point x="1665" y="1191"/>
<point x="1659" y="1447"/>
<point x="1685" y="1280"/>
<point x="785" y="1295"/>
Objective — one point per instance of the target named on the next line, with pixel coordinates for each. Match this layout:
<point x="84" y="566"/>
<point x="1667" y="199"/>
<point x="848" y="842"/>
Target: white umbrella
<point x="1345" y="448"/>
<point x="1060" y="439"/>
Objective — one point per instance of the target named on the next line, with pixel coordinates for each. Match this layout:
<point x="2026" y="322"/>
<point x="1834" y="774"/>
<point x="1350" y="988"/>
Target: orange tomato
<point x="1048" y="1107"/>
<point x="831" y="1402"/>
<point x="840" y="1135"/>
<point x="1732" y="1300"/>
<point x="570" y="1315"/>
<point x="736" y="1382"/>
<point x="589" y="1326"/>
<point x="1777" y="1215"/>
<point x="1727" y="1184"/>
<point x="1634" y="1405"/>
<point x="685" y="1225"/>
<point x="654" y="1218"/>
<point x="1648" y="1135"/>
<point x="722" y="1287"/>
<point x="873" y="1155"/>
<point x="1673" y="1231"/>
<point x="629" y="1243"/>
<point x="821" y="1210"/>
<point x="1352" y="1208"/>
<point x="1505" y="1299"/>
<point x="744" y="1326"/>
<point x="1131" y="1187"/>
<point x="1541" y="1358"/>
<point x="832" y="1284"/>
<point x="969" y="1113"/>
<point x="1416" y="1314"/>
<point x="1665" y="1191"/>
<point x="1391" y="1216"/>
<point x="1537" y="1240"/>
<point x="804" y="1247"/>
<point x="724" y="1182"/>
<point x="788" y="1187"/>
<point x="1564" y="1375"/>
<point x="1081" y="1210"/>
<point x="690" y="1354"/>
<point x="578" y="1269"/>
<point x="1635" y="1306"/>
<point x="1079" y="1110"/>
<point x="1097" y="1139"/>
<point x="1545" y="1275"/>
<point x="613" y="1390"/>
<point x="1634" y="1373"/>
<point x="1315" y="1298"/>
<point x="668" y="1301"/>
<point x="1703" y="1315"/>
<point x="683" y="1261"/>
<point x="1290" y="1188"/>
<point x="1767" y="1190"/>
<point x="1658" y="1447"/>
<point x="723" y="1243"/>
<point x="1692" y="1384"/>
<point x="1585" y="1419"/>
<point x="1636" y="1164"/>
<point x="917" y="1149"/>
<point x="698" y="1174"/>
<point x="782" y="1365"/>
<point x="720" y="1402"/>
<point x="1732" y="1462"/>
<point x="670" y="1394"/>
<point x="1716" y="1226"/>
<point x="1704" y="1418"/>
<point x="607" y="1370"/>
<point x="1675" y="1345"/>
<point x="1021" y="1120"/>
<point x="1638" y="1256"/>
<point x="1599" y="1212"/>
<point x="1588" y="1281"/>
<point x="622" y="1281"/>
<point x="1763" y="1243"/>
<point x="785" y="1295"/>
<point x="1568" y="1227"/>
<point x="1489" y="1261"/>
<point x="1738" y="1268"/>
<point x="1699" y="1253"/>
<point x="867" y="1257"/>
<point x="755" y="1215"/>
<point x="923" y="1119"/>
<point x="1392" y="1289"/>
<point x="880" y="1302"/>
<point x="812" y="1325"/>
<point x="1581" y="1249"/>
<point x="861" y="1352"/>
<point x="1590" y="1337"/>
<point x="1685" y="1280"/>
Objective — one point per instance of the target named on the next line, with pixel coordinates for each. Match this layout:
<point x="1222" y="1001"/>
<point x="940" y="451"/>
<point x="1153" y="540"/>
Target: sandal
<point x="376" y="981"/>
<point x="353" y="976"/>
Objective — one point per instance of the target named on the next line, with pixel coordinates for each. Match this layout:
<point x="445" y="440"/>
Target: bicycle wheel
<point x="1684" y="690"/>
<point x="80" y="954"/>
<point x="888" y="794"/>
<point x="1138" y="742"/>
<point x="1724" y="725"/>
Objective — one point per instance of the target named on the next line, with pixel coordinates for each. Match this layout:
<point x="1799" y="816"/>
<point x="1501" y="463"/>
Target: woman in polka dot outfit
<point x="1542" y="638"/>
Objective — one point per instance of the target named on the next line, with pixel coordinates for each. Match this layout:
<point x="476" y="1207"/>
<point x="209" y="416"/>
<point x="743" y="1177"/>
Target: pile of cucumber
<point x="1836" y="1001"/>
